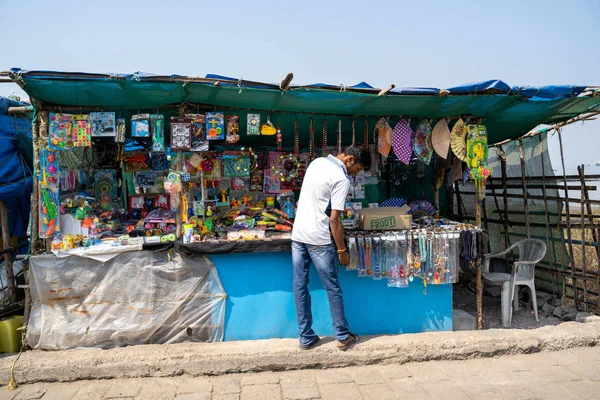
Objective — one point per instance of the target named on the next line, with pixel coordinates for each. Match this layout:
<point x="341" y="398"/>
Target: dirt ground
<point x="492" y="315"/>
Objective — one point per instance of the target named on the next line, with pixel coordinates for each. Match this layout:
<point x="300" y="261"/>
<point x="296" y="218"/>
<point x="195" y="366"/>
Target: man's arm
<point x="337" y="230"/>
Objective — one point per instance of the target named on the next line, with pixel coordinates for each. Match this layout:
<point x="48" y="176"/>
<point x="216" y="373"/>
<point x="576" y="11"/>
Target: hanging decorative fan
<point x="458" y="140"/>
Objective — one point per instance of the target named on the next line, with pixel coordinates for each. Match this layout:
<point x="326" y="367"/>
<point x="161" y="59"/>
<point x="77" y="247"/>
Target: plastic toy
<point x="103" y="124"/>
<point x="181" y="132"/>
<point x="215" y="126"/>
<point x="157" y="131"/>
<point x="174" y="187"/>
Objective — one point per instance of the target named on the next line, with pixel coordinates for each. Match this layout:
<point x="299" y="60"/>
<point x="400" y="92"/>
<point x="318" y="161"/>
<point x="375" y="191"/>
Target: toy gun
<point x="277" y="219"/>
<point x="281" y="214"/>
<point x="50" y="206"/>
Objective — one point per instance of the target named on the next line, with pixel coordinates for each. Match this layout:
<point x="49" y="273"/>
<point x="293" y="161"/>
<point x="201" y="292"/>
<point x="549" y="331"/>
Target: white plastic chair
<point x="531" y="251"/>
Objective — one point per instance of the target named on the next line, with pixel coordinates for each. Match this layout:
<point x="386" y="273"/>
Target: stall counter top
<point x="237" y="246"/>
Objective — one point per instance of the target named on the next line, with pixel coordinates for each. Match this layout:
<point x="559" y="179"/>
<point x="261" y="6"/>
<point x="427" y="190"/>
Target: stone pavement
<point x="562" y="375"/>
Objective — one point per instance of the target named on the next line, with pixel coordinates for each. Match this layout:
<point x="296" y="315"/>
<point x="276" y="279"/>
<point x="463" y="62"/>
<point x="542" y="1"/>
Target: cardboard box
<point x="384" y="218"/>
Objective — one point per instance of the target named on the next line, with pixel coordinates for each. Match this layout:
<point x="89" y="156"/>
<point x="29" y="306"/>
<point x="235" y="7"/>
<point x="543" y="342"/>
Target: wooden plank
<point x="541" y="186"/>
<point x="580" y="170"/>
<point x="524" y="184"/>
<point x="8" y="257"/>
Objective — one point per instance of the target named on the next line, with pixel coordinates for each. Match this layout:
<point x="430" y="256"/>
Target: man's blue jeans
<point x="325" y="260"/>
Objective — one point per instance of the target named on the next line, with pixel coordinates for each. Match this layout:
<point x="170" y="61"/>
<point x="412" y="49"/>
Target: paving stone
<point x="427" y="372"/>
<point x="377" y="391"/>
<point x="552" y="391"/>
<point x="262" y="379"/>
<point x="341" y="391"/>
<point x="586" y="371"/>
<point x="521" y="392"/>
<point x="6" y="394"/>
<point x="390" y="372"/>
<point x="123" y="390"/>
<point x="298" y="378"/>
<point x="332" y="376"/>
<point x="306" y="392"/>
<point x="557" y="373"/>
<point x="581" y="390"/>
<point x="198" y="385"/>
<point x="408" y="387"/>
<point x="261" y="392"/>
<point x="228" y="396"/>
<point x="366" y="375"/>
<point x="61" y="391"/>
<point x="193" y="396"/>
<point x="31" y="392"/>
<point x="226" y="386"/>
<point x="93" y="390"/>
<point x="475" y="387"/>
<point x="158" y="390"/>
<point x="445" y="390"/>
<point x="490" y="396"/>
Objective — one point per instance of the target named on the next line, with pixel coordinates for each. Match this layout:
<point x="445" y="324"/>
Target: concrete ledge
<point x="195" y="359"/>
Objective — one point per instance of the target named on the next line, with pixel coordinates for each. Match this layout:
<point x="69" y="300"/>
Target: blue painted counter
<point x="260" y="302"/>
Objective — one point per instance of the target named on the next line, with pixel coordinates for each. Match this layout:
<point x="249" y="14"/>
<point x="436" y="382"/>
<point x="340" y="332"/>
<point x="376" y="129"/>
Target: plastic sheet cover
<point x="139" y="297"/>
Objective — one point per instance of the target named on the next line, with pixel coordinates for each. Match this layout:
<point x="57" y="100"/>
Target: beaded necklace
<point x="311" y="139"/>
<point x="376" y="258"/>
<point x="362" y="270"/>
<point x="324" y="142"/>
<point x="296" y="138"/>
<point x="368" y="255"/>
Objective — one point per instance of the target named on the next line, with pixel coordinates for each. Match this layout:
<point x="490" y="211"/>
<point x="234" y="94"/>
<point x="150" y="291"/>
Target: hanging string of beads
<point x="366" y="134"/>
<point x="353" y="133"/>
<point x="279" y="136"/>
<point x="339" y="139"/>
<point x="311" y="139"/>
<point x="296" y="138"/>
<point x="324" y="143"/>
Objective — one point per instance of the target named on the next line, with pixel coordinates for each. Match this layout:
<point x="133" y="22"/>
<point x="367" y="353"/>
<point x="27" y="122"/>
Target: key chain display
<point x="429" y="256"/>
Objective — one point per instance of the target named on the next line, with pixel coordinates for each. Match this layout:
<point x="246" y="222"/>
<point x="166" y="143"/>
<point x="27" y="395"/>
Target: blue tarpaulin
<point x="16" y="166"/>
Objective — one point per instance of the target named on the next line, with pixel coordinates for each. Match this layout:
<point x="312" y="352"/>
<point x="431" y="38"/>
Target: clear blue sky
<point x="416" y="43"/>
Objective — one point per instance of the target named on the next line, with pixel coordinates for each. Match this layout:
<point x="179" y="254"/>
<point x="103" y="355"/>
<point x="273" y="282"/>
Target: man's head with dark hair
<point x="356" y="159"/>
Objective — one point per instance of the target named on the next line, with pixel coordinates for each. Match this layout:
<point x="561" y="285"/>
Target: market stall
<point x="215" y="165"/>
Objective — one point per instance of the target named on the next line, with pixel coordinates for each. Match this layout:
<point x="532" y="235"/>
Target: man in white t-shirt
<point x="322" y="201"/>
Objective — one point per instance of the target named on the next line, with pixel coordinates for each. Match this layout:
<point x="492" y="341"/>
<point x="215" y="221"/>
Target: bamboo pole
<point x="178" y="166"/>
<point x="479" y="281"/>
<point x="504" y="195"/>
<point x="547" y="218"/>
<point x="580" y="170"/>
<point x="8" y="257"/>
<point x="590" y="214"/>
<point x="568" y="211"/>
<point x="524" y="184"/>
<point x="37" y="127"/>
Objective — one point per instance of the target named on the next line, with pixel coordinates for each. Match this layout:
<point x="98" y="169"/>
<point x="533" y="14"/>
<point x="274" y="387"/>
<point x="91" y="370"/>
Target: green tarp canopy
<point x="508" y="112"/>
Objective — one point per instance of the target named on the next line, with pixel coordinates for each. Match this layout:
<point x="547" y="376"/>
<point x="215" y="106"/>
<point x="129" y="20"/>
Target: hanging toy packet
<point x="198" y="137"/>
<point x="173" y="186"/>
<point x="233" y="129"/>
<point x="215" y="126"/>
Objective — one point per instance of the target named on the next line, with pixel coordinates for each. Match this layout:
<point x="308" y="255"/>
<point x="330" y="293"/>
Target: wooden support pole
<point x="524" y="184"/>
<point x="504" y="195"/>
<point x="8" y="258"/>
<point x="479" y="281"/>
<point x="285" y="83"/>
<point x="385" y="91"/>
<point x="590" y="214"/>
<point x="178" y="167"/>
<point x="581" y="171"/>
<point x="568" y="212"/>
<point x="35" y="193"/>
<point x="544" y="195"/>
